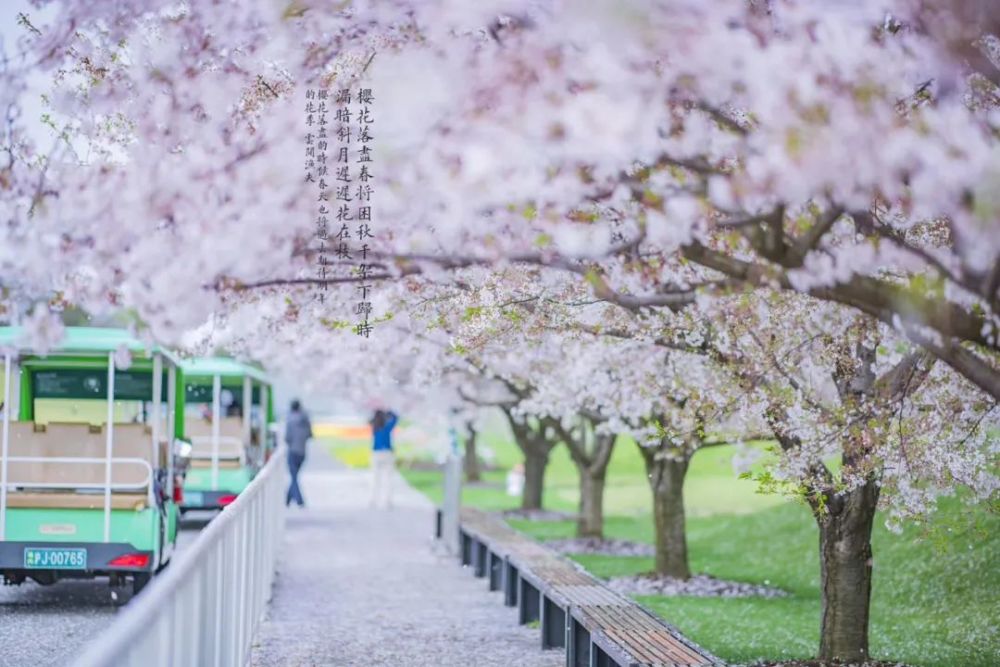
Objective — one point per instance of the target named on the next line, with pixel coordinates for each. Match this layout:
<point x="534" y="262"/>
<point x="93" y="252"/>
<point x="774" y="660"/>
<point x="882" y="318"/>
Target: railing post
<point x="202" y="604"/>
<point x="216" y="418"/>
<point x="109" y="447"/>
<point x="452" y="502"/>
<point x="157" y="397"/>
<point x="6" y="444"/>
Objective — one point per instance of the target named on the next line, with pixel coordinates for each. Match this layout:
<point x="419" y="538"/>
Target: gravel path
<point x="358" y="586"/>
<point x="47" y="625"/>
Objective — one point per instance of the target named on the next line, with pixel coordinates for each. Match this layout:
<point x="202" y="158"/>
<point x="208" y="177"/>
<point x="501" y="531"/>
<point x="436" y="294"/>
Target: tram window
<point x="79" y="395"/>
<point x="85" y="411"/>
<point x="199" y="403"/>
<point x="198" y="411"/>
<point x="193" y="411"/>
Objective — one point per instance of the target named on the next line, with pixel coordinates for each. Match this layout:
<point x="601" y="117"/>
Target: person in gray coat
<point x="298" y="431"/>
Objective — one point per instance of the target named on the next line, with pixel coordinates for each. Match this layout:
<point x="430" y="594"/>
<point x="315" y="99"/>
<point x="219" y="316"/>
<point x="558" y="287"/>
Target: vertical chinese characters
<point x="317" y="145"/>
<point x="363" y="198"/>
<point x="345" y="221"/>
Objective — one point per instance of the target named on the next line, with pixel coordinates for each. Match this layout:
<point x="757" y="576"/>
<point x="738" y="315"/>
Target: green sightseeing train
<point x="229" y="410"/>
<point x="89" y="467"/>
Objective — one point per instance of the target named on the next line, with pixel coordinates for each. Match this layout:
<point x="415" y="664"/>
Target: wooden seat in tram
<point x="56" y="441"/>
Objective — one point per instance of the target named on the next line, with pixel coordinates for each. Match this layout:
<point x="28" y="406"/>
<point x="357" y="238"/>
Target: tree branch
<point x="905" y="377"/>
<point x="811" y="238"/>
<point x="972" y="367"/>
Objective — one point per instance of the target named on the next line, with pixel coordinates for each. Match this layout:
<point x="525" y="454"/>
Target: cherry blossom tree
<point x="805" y="183"/>
<point x="839" y="386"/>
<point x="536" y="438"/>
<point x="782" y="143"/>
<point x="826" y="382"/>
<point x="567" y="376"/>
<point x="494" y="348"/>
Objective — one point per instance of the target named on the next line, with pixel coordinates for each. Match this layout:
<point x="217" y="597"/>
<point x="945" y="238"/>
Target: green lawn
<point x="712" y="487"/>
<point x="936" y="599"/>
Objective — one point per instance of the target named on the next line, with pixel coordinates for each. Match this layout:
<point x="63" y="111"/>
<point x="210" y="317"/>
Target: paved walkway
<point x="358" y="586"/>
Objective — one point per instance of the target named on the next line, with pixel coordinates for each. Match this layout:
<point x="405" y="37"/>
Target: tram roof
<point x="85" y="340"/>
<point x="223" y="367"/>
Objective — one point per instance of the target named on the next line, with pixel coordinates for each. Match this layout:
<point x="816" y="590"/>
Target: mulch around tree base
<point x="595" y="545"/>
<point x="699" y="585"/>
<point x="539" y="515"/>
<point x="835" y="663"/>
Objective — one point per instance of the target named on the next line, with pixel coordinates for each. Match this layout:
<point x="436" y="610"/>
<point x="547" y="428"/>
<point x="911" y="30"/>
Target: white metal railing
<point x="204" y="609"/>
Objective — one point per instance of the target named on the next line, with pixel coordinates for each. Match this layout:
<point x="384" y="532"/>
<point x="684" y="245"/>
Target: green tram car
<point x="88" y="477"/>
<point x="229" y="410"/>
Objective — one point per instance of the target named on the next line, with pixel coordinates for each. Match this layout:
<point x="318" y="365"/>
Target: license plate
<point x="45" y="558"/>
<point x="194" y="498"/>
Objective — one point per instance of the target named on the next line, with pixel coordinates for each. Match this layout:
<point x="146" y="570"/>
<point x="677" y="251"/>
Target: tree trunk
<point x="471" y="462"/>
<point x="536" y="447"/>
<point x="845" y="546"/>
<point x="666" y="478"/>
<point x="590" y="522"/>
<point x="534" y="479"/>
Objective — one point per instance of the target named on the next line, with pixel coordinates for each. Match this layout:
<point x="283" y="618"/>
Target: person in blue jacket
<point x="383" y="459"/>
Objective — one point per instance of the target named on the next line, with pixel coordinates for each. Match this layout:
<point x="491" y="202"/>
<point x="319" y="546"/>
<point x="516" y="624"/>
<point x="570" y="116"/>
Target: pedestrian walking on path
<point x="383" y="458"/>
<point x="298" y="432"/>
